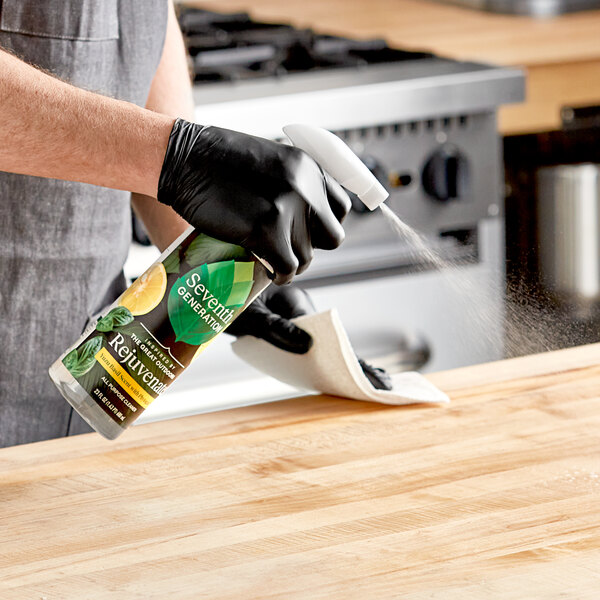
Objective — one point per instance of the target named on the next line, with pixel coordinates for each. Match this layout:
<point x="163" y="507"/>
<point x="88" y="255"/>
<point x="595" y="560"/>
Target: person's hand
<point x="272" y="199"/>
<point x="268" y="318"/>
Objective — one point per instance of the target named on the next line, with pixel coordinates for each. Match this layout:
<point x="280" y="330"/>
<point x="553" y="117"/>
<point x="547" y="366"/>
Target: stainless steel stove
<point x="426" y="126"/>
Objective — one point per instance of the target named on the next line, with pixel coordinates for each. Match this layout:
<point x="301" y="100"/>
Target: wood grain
<point x="562" y="55"/>
<point x="495" y="496"/>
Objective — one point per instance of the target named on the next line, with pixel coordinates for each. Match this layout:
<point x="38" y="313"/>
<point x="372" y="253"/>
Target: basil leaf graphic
<point x="121" y="316"/>
<point x="89" y="349"/>
<point x="205" y="249"/>
<point x="172" y="262"/>
<point x="70" y="360"/>
<point x="85" y="357"/>
<point x="117" y="317"/>
<point x="105" y="324"/>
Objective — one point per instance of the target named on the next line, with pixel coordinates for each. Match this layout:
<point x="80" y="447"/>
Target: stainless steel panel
<point x="405" y="148"/>
<point x="349" y="98"/>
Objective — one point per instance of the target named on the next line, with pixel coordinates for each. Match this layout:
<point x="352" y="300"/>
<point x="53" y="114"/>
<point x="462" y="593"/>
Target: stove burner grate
<point x="230" y="47"/>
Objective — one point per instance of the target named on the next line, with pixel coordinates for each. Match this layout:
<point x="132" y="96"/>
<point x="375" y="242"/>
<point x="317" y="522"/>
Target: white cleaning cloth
<point x="331" y="367"/>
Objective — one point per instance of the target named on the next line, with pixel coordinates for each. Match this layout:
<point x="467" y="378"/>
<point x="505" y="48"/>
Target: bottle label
<point x="160" y="324"/>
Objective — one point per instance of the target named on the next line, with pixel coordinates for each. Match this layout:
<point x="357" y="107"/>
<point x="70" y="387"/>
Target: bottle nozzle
<point x="335" y="157"/>
<point x="374" y="196"/>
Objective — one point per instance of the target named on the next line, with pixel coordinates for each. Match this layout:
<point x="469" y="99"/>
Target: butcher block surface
<point x="496" y="495"/>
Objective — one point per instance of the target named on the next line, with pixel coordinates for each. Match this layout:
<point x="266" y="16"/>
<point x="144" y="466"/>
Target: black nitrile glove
<point x="379" y="378"/>
<point x="272" y="199"/>
<point x="268" y="318"/>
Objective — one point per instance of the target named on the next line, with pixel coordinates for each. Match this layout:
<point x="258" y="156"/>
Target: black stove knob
<point x="379" y="171"/>
<point x="446" y="174"/>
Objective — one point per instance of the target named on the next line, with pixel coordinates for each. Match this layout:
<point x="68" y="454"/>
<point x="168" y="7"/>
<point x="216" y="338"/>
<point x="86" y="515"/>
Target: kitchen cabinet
<point x="494" y="496"/>
<point x="562" y="55"/>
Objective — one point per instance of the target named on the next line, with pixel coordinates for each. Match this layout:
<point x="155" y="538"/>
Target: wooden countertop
<point x="562" y="55"/>
<point x="495" y="496"/>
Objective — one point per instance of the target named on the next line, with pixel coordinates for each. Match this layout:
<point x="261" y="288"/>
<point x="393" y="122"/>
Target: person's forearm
<point x="170" y="94"/>
<point x="49" y="128"/>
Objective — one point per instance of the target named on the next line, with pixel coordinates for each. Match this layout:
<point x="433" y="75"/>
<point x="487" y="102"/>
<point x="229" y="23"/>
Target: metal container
<point x="568" y="204"/>
<point x="533" y="8"/>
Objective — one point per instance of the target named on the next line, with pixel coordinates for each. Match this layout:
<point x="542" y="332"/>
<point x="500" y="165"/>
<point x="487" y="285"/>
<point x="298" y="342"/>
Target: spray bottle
<point x="170" y="314"/>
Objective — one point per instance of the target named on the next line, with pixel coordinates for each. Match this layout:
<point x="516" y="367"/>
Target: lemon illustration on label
<point x="146" y="292"/>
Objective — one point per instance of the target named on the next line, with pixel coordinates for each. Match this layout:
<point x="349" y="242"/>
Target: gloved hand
<point x="268" y="318"/>
<point x="269" y="198"/>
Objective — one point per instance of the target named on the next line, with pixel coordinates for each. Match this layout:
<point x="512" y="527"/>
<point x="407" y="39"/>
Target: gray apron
<point x="62" y="244"/>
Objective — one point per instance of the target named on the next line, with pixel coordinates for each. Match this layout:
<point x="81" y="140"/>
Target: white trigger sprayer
<point x="335" y="157"/>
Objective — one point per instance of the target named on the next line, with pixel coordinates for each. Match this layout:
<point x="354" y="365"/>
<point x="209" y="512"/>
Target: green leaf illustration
<point x="70" y="360"/>
<point x="88" y="351"/>
<point x="117" y="317"/>
<point x="242" y="284"/>
<point x="121" y="316"/>
<point x="172" y="262"/>
<point x="218" y="278"/>
<point x="205" y="249"/>
<point x="227" y="285"/>
<point x="104" y="324"/>
<point x="85" y="357"/>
